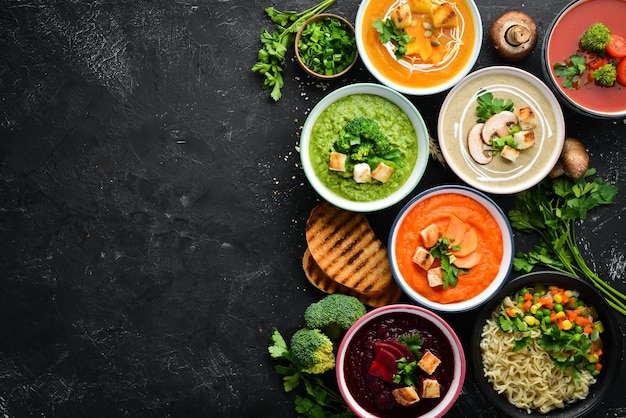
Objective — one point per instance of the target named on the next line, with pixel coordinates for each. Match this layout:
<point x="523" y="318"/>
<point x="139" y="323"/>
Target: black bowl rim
<point x="612" y="349"/>
<point x="550" y="82"/>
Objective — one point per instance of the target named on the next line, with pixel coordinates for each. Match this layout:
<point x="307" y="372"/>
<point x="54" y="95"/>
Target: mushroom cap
<point x="573" y="162"/>
<point x="498" y="123"/>
<point x="513" y="35"/>
<point x="478" y="149"/>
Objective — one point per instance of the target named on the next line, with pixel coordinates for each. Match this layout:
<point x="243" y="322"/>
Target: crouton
<point x="401" y="16"/>
<point x="423" y="258"/>
<point x="526" y="118"/>
<point x="337" y="161"/>
<point x="509" y="153"/>
<point x="429" y="362"/>
<point x="430" y="235"/>
<point x="362" y="173"/>
<point x="382" y="172"/>
<point x="524" y="139"/>
<point x="405" y="396"/>
<point x="431" y="388"/>
<point x="435" y="277"/>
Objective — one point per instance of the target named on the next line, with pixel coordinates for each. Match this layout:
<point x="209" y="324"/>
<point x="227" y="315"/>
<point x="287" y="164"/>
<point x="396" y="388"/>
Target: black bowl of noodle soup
<point x="525" y="383"/>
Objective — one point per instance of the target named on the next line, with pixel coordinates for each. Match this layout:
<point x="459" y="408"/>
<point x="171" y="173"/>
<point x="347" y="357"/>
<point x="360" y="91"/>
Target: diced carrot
<point x="527" y="305"/>
<point x="510" y="312"/>
<point x="528" y="296"/>
<point x="588" y="330"/>
<point x="583" y="322"/>
<point x="547" y="302"/>
<point x="571" y="315"/>
<point x="598" y="366"/>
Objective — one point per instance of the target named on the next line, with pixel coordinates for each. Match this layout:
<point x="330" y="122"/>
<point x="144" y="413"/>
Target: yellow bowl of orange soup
<point x="451" y="248"/>
<point x="446" y="37"/>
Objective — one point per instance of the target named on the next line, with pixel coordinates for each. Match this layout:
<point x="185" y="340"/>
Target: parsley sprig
<point x="271" y="59"/>
<point x="489" y="105"/>
<point x="443" y="250"/>
<point x="572" y="70"/>
<point x="317" y="400"/>
<point x="551" y="209"/>
<point x="388" y="32"/>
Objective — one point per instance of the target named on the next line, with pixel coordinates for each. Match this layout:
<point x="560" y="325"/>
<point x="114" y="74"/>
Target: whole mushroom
<point x="513" y="35"/>
<point x="573" y="162"/>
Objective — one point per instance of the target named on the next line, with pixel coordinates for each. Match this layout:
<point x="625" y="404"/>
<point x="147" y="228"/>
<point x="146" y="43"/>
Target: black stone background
<point x="152" y="207"/>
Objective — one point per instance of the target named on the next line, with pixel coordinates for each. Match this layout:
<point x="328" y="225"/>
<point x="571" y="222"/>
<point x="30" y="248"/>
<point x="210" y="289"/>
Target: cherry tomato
<point x="621" y="72"/>
<point x="617" y="46"/>
<point x="595" y="61"/>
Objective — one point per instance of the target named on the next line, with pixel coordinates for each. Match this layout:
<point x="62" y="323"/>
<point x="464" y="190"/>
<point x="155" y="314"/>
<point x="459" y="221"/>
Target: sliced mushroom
<point x="478" y="149"/>
<point x="498" y="124"/>
<point x="574" y="160"/>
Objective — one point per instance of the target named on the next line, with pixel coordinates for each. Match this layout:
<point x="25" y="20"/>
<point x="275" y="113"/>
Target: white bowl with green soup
<point x="364" y="147"/>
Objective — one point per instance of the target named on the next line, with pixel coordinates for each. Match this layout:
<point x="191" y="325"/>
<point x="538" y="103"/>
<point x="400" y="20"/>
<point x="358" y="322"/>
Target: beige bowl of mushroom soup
<point x="521" y="136"/>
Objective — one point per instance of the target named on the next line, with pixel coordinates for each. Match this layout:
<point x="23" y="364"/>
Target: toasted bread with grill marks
<point x="345" y="247"/>
<point x="320" y="280"/>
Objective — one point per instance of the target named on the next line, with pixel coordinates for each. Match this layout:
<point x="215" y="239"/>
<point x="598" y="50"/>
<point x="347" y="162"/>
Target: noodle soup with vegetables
<point x="542" y="347"/>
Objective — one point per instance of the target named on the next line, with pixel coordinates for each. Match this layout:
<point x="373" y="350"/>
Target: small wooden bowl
<point x="313" y="19"/>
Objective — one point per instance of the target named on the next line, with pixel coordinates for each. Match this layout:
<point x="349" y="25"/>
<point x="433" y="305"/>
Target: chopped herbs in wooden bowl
<point x="326" y="46"/>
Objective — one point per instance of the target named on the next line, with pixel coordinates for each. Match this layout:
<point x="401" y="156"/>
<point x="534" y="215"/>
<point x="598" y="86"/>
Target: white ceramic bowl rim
<point x="478" y="28"/>
<point x="556" y="83"/>
<point x="507" y="256"/>
<point x="523" y="184"/>
<point x="459" y="357"/>
<point x="422" y="145"/>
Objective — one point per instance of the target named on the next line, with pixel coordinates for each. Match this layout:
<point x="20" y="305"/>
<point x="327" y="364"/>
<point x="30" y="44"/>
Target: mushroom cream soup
<point x="459" y="115"/>
<point x="393" y="122"/>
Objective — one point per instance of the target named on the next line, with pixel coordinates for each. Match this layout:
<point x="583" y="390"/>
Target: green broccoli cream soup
<point x="393" y="123"/>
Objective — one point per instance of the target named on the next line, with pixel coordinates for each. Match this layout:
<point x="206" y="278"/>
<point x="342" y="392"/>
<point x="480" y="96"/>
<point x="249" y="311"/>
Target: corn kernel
<point x="558" y="298"/>
<point x="560" y="315"/>
<point x="534" y="308"/>
<point x="569" y="293"/>
<point x="567" y="325"/>
<point x="598" y="326"/>
<point x="530" y="320"/>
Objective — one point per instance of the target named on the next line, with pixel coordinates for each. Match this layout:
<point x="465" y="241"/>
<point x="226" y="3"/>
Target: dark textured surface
<point x="152" y="208"/>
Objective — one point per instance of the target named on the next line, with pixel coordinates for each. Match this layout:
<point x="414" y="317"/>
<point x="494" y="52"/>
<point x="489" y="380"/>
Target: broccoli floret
<point x="334" y="314"/>
<point x="381" y="144"/>
<point x="362" y="151"/>
<point x="311" y="351"/>
<point x="596" y="38"/>
<point x="343" y="144"/>
<point x="361" y="127"/>
<point x="605" y="75"/>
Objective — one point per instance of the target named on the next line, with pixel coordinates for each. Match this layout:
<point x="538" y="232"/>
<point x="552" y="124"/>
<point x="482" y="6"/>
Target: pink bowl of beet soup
<point x="382" y="339"/>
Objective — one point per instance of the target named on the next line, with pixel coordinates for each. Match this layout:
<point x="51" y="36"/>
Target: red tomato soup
<point x="437" y="210"/>
<point x="564" y="42"/>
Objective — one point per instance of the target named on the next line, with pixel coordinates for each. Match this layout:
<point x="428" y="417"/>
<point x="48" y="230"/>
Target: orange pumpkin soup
<point x="438" y="210"/>
<point x="449" y="53"/>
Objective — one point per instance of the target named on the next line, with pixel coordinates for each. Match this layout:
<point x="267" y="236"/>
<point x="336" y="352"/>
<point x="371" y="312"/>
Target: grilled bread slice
<point x="344" y="246"/>
<point x="320" y="280"/>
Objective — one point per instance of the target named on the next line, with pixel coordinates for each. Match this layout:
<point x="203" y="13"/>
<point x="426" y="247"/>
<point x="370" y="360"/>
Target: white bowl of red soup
<point x="392" y="337"/>
<point x="451" y="248"/>
<point x="564" y="44"/>
<point x="444" y="40"/>
<point x="522" y="134"/>
<point x="364" y="147"/>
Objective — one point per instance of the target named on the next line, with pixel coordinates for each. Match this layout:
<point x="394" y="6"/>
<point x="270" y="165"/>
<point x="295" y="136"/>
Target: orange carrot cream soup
<point x="440" y="210"/>
<point x="437" y="52"/>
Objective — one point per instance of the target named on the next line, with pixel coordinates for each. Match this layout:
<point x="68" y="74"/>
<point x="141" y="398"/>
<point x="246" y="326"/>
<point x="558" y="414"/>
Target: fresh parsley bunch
<point x="551" y="210"/>
<point x="317" y="400"/>
<point x="271" y="59"/>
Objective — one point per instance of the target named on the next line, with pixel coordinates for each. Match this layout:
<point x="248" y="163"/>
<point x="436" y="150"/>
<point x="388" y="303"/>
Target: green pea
<point x="578" y="329"/>
<point x="558" y="307"/>
<point x="520" y="299"/>
<point x="546" y="312"/>
<point x="539" y="315"/>
<point x="547" y="320"/>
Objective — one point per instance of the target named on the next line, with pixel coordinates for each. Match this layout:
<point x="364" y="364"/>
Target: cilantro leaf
<point x="388" y="32"/>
